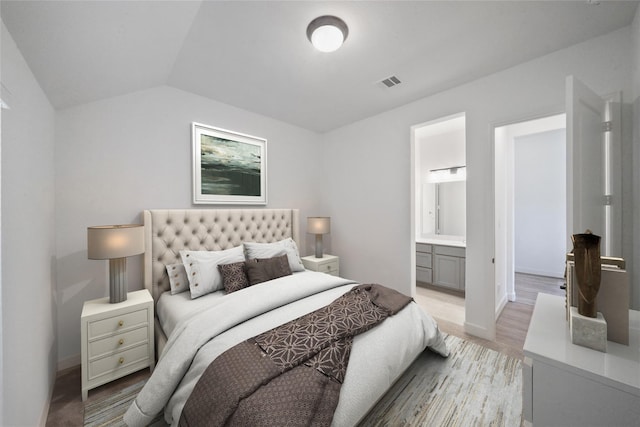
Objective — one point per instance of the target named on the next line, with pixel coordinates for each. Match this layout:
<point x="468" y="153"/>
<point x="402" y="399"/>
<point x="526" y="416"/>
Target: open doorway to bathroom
<point x="439" y="216"/>
<point x="530" y="210"/>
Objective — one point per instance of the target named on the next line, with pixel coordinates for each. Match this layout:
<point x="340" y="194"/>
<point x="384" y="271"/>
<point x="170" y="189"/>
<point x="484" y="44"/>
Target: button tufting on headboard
<point x="207" y="229"/>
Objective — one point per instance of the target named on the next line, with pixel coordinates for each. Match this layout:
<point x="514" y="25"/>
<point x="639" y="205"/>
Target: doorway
<point x="438" y="216"/>
<point x="530" y="207"/>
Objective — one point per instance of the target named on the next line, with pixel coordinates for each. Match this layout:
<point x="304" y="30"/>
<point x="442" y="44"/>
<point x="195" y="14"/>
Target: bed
<point x="191" y="333"/>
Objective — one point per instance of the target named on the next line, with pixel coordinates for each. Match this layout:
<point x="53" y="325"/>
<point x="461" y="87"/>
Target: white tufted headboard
<point x="167" y="232"/>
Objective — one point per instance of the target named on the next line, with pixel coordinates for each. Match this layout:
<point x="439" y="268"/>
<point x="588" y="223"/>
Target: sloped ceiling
<point x="255" y="55"/>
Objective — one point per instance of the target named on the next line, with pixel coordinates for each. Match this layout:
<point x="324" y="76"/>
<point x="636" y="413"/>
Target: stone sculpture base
<point x="588" y="331"/>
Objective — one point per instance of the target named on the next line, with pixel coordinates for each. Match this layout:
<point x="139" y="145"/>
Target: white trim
<point x="47" y="405"/>
<point x="501" y="305"/>
<point x="479" y="331"/>
<point x="413" y="179"/>
<point x="552" y="274"/>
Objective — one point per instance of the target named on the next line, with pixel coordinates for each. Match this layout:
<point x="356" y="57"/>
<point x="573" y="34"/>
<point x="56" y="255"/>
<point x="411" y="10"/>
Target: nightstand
<point x="117" y="339"/>
<point x="329" y="264"/>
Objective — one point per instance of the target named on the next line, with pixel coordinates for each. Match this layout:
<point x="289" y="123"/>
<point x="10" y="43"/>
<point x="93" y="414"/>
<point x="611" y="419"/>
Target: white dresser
<point x="117" y="339"/>
<point x="570" y="385"/>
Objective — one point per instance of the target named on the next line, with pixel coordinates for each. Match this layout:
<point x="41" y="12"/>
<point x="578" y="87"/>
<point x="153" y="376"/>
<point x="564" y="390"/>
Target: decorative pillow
<point x="177" y="278"/>
<point x="234" y="276"/>
<point x="270" y="250"/>
<point x="261" y="270"/>
<point x="202" y="268"/>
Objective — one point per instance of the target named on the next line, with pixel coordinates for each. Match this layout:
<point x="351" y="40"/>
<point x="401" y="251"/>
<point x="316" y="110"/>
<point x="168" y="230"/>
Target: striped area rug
<point x="108" y="412"/>
<point x="474" y="386"/>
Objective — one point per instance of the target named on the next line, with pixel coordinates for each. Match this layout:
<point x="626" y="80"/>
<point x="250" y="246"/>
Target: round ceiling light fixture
<point x="327" y="33"/>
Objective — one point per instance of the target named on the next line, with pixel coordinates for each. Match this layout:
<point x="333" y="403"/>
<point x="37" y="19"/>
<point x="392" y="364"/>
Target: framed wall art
<point x="228" y="167"/>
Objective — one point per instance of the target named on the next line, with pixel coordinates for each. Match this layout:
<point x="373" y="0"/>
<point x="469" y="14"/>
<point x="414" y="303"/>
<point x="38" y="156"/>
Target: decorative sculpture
<point x="586" y="250"/>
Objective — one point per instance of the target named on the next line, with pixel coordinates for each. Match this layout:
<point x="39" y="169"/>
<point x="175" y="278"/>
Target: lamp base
<point x="319" y="246"/>
<point x="117" y="280"/>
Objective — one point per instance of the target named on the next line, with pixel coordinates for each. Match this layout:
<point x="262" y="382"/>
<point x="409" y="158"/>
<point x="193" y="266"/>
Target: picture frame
<point x="228" y="167"/>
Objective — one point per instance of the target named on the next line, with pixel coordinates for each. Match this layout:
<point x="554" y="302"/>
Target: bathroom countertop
<point x="456" y="241"/>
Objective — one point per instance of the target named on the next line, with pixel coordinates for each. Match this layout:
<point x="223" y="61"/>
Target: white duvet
<point x="378" y="356"/>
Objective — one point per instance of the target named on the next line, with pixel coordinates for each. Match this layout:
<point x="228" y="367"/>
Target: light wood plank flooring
<point x="447" y="307"/>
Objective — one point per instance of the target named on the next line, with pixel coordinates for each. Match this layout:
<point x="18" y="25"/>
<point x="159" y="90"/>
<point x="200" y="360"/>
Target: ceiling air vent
<point x="391" y="81"/>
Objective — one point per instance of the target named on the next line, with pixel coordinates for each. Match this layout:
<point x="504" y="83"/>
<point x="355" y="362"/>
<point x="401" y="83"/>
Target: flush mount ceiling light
<point x="327" y="33"/>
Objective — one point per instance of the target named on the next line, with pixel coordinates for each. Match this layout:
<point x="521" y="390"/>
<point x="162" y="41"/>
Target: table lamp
<point x="115" y="243"/>
<point x="318" y="225"/>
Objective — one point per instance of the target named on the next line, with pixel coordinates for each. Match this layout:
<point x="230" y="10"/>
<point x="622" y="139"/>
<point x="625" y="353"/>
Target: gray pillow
<point x="234" y="276"/>
<point x="261" y="270"/>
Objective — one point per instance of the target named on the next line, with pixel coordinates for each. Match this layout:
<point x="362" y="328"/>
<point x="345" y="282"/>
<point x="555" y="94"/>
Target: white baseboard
<point x="554" y="274"/>
<point x="47" y="405"/>
<point x="511" y="296"/>
<point x="45" y="411"/>
<point x="479" y="331"/>
<point x="501" y="305"/>
<point x="69" y="362"/>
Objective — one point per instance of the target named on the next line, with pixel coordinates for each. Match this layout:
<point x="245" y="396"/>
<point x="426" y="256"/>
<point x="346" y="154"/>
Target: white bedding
<point x="378" y="356"/>
<point x="171" y="309"/>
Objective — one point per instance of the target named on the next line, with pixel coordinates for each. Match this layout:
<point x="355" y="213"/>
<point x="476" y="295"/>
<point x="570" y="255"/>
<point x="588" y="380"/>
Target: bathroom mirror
<point x="444" y="208"/>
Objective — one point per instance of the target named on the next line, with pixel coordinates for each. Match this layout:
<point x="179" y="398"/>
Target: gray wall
<point x="370" y="200"/>
<point x="28" y="248"/>
<point x="539" y="195"/>
<point x="117" y="157"/>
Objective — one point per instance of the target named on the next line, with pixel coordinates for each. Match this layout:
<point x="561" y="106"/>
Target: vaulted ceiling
<point x="255" y="55"/>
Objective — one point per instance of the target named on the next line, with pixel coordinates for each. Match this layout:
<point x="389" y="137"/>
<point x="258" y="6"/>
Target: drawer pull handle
<point x="121" y="323"/>
<point x="121" y="341"/>
<point x="121" y="360"/>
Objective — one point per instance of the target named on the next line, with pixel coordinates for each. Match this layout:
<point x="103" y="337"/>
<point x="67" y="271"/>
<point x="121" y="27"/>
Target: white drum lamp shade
<point x="319" y="225"/>
<point x="115" y="243"/>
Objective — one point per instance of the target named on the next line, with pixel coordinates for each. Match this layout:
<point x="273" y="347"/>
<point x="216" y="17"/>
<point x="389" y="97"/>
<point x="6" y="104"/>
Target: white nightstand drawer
<point x="329" y="264"/>
<point x="118" y="342"/>
<point x="328" y="267"/>
<point x="117" y="323"/>
<point x="119" y="361"/>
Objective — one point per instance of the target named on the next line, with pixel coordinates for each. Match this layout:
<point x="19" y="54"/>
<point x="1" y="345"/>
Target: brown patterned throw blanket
<point x="290" y="375"/>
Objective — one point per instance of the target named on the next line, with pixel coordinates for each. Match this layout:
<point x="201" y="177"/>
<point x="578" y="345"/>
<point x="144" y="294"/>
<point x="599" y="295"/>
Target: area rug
<point x="474" y="386"/>
<point x="108" y="412"/>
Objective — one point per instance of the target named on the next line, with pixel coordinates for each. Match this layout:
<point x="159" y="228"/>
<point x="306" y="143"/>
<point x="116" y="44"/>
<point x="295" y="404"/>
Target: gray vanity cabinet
<point x="424" y="263"/>
<point x="441" y="265"/>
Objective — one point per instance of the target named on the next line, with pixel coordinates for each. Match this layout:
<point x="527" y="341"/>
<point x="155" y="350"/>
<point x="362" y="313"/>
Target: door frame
<point x="501" y="300"/>
<point x="414" y="189"/>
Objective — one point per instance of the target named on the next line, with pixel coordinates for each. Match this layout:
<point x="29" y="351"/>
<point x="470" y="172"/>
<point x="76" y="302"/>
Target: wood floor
<point x="446" y="307"/>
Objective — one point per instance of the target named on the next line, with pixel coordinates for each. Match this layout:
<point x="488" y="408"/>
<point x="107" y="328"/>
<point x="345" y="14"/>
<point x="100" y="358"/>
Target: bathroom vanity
<point x="440" y="261"/>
